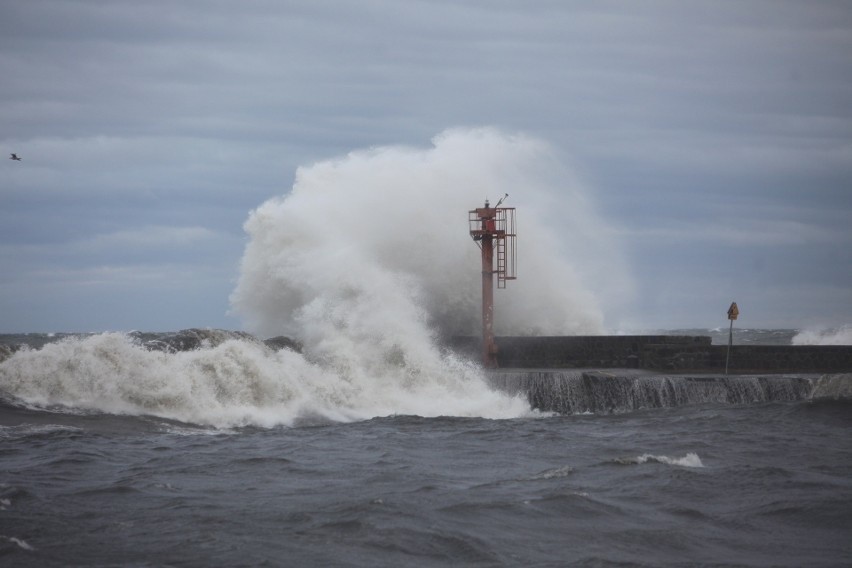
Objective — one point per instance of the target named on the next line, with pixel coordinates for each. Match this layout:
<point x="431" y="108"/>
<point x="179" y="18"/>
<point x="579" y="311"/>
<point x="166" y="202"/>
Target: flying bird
<point x="15" y="157"/>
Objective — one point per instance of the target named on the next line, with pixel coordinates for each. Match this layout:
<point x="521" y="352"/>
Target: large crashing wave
<point x="366" y="262"/>
<point x="836" y="336"/>
<point x="376" y="244"/>
<point x="235" y="383"/>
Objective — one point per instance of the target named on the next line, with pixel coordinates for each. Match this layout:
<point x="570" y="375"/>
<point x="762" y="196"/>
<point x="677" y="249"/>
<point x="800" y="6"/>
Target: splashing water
<point x="367" y="262"/>
<point x="376" y="244"/>
<point x="838" y="336"/>
<point x="691" y="459"/>
<point x="236" y="383"/>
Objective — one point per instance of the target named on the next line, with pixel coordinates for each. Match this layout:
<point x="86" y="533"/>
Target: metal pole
<point x="730" y="341"/>
<point x="489" y="358"/>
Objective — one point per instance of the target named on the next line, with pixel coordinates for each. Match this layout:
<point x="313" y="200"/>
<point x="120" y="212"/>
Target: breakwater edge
<point x="566" y="375"/>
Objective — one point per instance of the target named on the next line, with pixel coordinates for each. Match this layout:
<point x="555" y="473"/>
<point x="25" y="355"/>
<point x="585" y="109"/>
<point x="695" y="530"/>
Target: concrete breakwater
<point x="608" y="374"/>
<point x="668" y="353"/>
<point x="624" y="390"/>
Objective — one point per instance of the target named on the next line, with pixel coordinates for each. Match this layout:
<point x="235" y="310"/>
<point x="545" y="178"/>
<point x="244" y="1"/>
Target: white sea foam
<point x="17" y="541"/>
<point x="832" y="336"/>
<point x="557" y="472"/>
<point x="691" y="459"/>
<point x="240" y="383"/>
<point x="366" y="262"/>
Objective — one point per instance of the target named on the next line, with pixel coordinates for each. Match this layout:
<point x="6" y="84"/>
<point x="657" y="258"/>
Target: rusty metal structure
<point x="493" y="230"/>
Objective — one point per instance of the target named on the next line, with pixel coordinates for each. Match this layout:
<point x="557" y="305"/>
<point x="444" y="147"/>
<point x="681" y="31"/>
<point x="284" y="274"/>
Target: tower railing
<point x="507" y="260"/>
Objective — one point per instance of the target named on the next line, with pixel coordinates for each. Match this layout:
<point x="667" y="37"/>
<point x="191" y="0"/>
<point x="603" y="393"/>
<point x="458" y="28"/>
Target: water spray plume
<point x="354" y="233"/>
<point x="368" y="278"/>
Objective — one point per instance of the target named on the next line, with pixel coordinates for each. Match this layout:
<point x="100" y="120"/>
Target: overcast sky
<point x="714" y="137"/>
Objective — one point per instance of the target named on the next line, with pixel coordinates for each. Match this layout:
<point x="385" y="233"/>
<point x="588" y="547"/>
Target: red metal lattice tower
<point x="493" y="228"/>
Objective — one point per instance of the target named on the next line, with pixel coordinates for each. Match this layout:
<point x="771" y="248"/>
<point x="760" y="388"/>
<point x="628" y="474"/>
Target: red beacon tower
<point x="493" y="228"/>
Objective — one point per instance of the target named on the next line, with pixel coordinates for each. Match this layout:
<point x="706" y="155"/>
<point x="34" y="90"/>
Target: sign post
<point x="733" y="312"/>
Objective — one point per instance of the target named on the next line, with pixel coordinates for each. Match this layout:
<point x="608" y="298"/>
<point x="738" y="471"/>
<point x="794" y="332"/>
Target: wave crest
<point x="239" y="382"/>
<point x="835" y="336"/>
<point x="691" y="459"/>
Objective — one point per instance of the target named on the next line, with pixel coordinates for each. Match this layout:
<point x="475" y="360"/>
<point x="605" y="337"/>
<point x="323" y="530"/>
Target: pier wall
<point x="574" y="391"/>
<point x="659" y="353"/>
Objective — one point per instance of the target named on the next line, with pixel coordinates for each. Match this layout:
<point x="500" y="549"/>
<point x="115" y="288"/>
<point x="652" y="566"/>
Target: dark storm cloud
<point x="710" y="132"/>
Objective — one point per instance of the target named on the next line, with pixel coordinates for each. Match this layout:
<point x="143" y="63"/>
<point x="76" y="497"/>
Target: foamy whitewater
<point x="376" y="245"/>
<point x="831" y="336"/>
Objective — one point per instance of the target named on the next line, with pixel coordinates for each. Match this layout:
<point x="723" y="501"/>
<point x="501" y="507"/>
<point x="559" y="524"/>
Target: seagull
<point x="15" y="157"/>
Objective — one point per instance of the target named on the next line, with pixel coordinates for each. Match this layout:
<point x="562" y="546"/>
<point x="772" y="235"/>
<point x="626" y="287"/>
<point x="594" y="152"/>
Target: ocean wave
<point x="30" y="431"/>
<point x="553" y="473"/>
<point x="831" y="336"/>
<point x="19" y="542"/>
<point x="239" y="383"/>
<point x="691" y="459"/>
<point x="372" y="243"/>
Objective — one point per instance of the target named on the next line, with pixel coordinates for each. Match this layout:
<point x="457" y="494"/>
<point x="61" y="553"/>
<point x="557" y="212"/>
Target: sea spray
<point x="366" y="263"/>
<point x="388" y="228"/>
<point x="237" y="383"/>
<point x="830" y="336"/>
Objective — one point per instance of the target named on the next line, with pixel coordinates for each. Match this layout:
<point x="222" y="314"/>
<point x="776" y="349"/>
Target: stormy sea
<point x="339" y="430"/>
<point x="201" y="448"/>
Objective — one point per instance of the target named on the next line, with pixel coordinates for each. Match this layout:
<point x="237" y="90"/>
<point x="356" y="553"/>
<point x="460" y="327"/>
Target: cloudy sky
<point x="714" y="137"/>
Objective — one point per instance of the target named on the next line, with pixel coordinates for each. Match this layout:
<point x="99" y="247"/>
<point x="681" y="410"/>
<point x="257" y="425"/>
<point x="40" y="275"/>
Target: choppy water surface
<point x="766" y="485"/>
